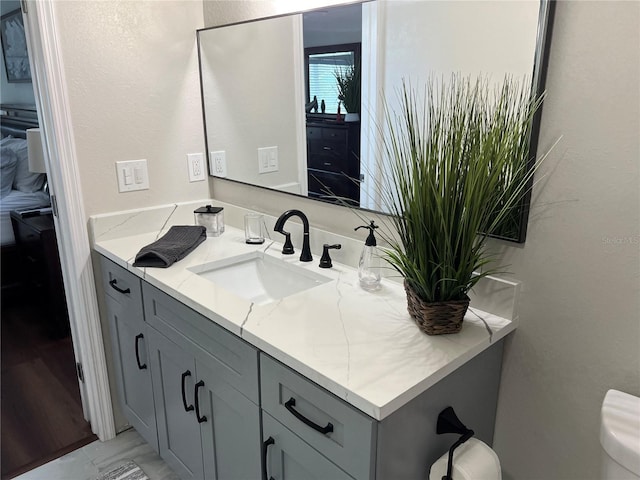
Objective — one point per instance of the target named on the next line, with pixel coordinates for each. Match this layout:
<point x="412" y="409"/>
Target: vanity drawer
<point x="308" y="411"/>
<point x="230" y="358"/>
<point x="123" y="287"/>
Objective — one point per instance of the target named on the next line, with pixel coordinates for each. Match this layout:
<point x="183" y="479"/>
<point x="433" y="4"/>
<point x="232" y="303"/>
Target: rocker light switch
<point x="267" y="159"/>
<point x="132" y="175"/>
<point x="128" y="177"/>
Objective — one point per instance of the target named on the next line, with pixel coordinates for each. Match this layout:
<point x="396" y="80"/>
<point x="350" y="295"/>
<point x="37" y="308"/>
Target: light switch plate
<point x="267" y="159"/>
<point x="132" y="175"/>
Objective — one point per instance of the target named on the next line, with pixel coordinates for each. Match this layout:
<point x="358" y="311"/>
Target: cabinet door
<point x="231" y="358"/>
<point x="123" y="299"/>
<point x="174" y="380"/>
<point x="131" y="360"/>
<point x="287" y="457"/>
<point x="329" y="425"/>
<point x="231" y="431"/>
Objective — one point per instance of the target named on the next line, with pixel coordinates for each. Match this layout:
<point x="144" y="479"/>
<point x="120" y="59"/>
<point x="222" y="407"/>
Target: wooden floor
<point x="41" y="410"/>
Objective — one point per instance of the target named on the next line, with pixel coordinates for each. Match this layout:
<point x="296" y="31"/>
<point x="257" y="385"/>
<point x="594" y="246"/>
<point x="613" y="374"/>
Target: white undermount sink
<point x="259" y="278"/>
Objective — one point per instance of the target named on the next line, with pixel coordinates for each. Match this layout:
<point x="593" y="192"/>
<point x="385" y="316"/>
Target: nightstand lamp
<point x="34" y="150"/>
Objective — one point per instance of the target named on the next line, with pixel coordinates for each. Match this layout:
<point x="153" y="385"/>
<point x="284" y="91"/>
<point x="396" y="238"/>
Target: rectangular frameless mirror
<point x="271" y="88"/>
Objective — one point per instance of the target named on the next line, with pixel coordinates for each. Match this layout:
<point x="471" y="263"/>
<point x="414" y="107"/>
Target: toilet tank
<point x="620" y="436"/>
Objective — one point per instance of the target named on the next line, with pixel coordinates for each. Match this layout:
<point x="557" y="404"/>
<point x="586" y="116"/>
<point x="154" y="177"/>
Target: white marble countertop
<point x="363" y="347"/>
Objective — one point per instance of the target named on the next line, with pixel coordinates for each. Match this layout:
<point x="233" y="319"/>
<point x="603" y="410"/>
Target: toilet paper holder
<point x="448" y="422"/>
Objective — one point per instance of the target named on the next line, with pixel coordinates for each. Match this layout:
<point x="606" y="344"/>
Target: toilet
<point x="620" y="436"/>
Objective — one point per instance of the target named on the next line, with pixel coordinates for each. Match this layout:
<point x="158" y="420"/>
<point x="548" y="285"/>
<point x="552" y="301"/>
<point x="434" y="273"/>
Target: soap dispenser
<point x="369" y="266"/>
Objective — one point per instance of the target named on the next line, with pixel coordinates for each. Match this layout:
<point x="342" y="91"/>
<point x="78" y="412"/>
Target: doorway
<point x="42" y="414"/>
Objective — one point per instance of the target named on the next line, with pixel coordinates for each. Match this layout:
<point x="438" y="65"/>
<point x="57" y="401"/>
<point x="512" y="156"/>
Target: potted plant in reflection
<point x="348" y="80"/>
<point x="456" y="163"/>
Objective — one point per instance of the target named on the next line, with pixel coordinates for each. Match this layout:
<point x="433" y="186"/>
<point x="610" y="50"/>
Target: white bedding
<point x="17" y="200"/>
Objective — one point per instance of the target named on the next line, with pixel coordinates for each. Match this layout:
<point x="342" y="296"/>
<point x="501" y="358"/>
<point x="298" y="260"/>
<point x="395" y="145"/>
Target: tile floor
<point x="93" y="459"/>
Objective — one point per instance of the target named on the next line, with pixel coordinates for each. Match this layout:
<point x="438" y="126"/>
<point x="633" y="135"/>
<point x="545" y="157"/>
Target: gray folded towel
<point x="174" y="245"/>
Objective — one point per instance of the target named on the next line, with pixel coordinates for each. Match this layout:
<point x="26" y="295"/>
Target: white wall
<point x="133" y="84"/>
<point x="580" y="317"/>
<point x="470" y="37"/>
<point x="133" y="87"/>
<point x="579" y="330"/>
<point x="221" y="12"/>
<point x="250" y="85"/>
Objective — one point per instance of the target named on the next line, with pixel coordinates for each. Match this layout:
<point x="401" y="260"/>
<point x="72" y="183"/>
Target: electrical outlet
<point x="219" y="164"/>
<point x="132" y="175"/>
<point x="195" y="162"/>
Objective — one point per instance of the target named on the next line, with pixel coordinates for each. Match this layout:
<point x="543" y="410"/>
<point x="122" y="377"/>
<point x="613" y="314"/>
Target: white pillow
<point x="8" y="163"/>
<point x="25" y="180"/>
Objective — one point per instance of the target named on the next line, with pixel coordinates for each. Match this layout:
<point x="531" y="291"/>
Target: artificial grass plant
<point x="456" y="163"/>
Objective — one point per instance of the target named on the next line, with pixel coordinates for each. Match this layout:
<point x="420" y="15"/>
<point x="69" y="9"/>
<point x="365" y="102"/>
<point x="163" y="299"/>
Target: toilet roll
<point x="473" y="460"/>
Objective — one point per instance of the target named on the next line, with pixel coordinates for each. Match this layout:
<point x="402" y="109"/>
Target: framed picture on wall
<point x="14" y="47"/>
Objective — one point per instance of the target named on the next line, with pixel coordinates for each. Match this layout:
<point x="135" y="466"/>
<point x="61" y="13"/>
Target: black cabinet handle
<point x="265" y="449"/>
<point x="114" y="285"/>
<point x="141" y="366"/>
<point x="292" y="403"/>
<point x="187" y="408"/>
<point x="201" y="419"/>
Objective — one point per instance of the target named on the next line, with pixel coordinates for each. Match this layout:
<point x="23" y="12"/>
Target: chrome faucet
<point x="305" y="256"/>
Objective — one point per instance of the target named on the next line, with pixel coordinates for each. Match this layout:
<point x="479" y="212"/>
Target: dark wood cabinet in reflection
<point x="333" y="160"/>
<point x="40" y="266"/>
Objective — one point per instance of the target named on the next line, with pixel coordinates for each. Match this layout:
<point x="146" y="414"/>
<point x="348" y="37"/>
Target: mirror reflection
<point x="294" y="102"/>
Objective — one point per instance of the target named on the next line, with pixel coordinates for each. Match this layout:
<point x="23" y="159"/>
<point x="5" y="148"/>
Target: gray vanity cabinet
<point x="322" y="421"/>
<point x="123" y="300"/>
<point x="218" y="409"/>
<point x="206" y="393"/>
<point x="179" y="439"/>
<point x="287" y="457"/>
<point x="205" y="427"/>
<point x="231" y="429"/>
<point x="401" y="446"/>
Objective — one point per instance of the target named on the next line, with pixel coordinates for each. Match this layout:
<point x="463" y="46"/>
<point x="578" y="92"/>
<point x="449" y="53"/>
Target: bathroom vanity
<point x="329" y="382"/>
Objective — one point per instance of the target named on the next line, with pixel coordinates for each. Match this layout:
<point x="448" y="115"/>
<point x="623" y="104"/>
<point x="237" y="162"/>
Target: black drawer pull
<point x="292" y="403"/>
<point x="265" y="449"/>
<point x="327" y="164"/>
<point x="114" y="285"/>
<point x="187" y="408"/>
<point x="141" y="366"/>
<point x="201" y="419"/>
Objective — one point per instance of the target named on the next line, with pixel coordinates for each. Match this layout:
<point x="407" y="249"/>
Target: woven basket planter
<point x="436" y="318"/>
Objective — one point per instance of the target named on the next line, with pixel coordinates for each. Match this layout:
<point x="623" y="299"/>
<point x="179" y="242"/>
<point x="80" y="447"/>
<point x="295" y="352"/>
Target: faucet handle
<point x="325" y="261"/>
<point x="287" y="249"/>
